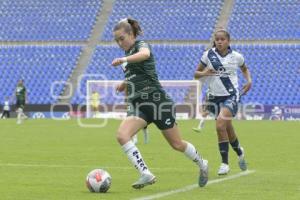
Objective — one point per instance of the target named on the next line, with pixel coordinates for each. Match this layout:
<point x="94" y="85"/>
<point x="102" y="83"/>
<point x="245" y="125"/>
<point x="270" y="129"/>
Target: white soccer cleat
<point x="242" y="161"/>
<point x="144" y="180"/>
<point x="203" y="178"/>
<point x="224" y="169"/>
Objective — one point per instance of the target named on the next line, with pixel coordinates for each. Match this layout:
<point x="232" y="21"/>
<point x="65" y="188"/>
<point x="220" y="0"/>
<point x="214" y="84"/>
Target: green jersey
<point x="141" y="76"/>
<point x="20" y="92"/>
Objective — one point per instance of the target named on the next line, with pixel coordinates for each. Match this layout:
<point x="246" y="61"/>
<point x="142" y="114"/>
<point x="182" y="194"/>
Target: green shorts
<point x="156" y="107"/>
<point x="20" y="103"/>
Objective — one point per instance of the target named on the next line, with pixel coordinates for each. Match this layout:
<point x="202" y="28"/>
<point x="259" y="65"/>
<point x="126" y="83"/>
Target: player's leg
<point x="146" y="135"/>
<point x="198" y="129"/>
<point x="23" y="115"/>
<point x="234" y="142"/>
<point x="93" y="111"/>
<point x="96" y="109"/>
<point x="19" y="111"/>
<point x="173" y="137"/>
<point x="201" y="123"/>
<point x="128" y="128"/>
<point x="19" y="115"/>
<point x="223" y="118"/>
<point x="204" y="115"/>
<point x="22" y="106"/>
<point x="18" y="103"/>
<point x="202" y="120"/>
<point x="6" y="113"/>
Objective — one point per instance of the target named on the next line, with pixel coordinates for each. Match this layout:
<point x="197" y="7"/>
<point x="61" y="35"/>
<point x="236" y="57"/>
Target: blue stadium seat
<point x="39" y="67"/>
<point x="271" y="84"/>
<point x="47" y="20"/>
<point x="178" y="19"/>
<point x="271" y="20"/>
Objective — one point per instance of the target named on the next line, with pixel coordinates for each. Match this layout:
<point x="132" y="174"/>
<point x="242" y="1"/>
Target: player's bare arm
<point x="247" y="75"/>
<point x="143" y="54"/>
<point x="203" y="71"/>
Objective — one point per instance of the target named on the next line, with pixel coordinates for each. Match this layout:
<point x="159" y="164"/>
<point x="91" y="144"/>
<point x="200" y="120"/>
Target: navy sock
<point x="224" y="147"/>
<point x="236" y="147"/>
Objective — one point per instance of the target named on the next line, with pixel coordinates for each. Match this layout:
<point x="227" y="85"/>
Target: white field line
<point x="191" y="187"/>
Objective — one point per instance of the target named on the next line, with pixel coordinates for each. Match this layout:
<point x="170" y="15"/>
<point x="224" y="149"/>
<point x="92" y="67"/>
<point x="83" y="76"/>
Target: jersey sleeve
<point x="240" y="60"/>
<point x="142" y="44"/>
<point x="204" y="59"/>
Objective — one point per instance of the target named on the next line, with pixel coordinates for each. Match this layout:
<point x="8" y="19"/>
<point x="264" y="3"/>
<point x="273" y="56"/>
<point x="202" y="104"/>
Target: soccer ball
<point x="98" y="180"/>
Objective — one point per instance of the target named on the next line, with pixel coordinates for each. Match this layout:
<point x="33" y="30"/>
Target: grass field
<point x="47" y="159"/>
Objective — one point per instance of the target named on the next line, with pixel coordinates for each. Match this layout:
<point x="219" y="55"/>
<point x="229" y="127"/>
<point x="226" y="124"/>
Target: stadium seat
<point x="269" y="20"/>
<point x="39" y="67"/>
<point x="47" y="20"/>
<point x="271" y="84"/>
<point x="178" y="19"/>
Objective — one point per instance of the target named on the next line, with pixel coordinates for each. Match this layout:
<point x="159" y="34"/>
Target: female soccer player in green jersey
<point x="21" y="100"/>
<point x="147" y="103"/>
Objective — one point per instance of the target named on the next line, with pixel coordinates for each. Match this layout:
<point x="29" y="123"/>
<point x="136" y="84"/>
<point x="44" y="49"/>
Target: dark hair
<point x="130" y="26"/>
<point x="221" y="30"/>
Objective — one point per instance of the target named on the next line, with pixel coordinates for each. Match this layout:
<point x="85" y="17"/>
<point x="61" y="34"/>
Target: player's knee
<point x="220" y="126"/>
<point x="122" y="136"/>
<point x="178" y="146"/>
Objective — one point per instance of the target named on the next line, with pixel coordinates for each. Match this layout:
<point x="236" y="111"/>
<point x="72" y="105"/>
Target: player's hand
<point x="247" y="87"/>
<point x="209" y="72"/>
<point x="118" y="61"/>
<point x="205" y="72"/>
<point x="120" y="87"/>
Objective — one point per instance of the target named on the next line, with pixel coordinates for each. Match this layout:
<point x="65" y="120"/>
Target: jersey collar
<point x="229" y="51"/>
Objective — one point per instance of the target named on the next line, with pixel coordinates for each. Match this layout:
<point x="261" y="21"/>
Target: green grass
<point x="47" y="159"/>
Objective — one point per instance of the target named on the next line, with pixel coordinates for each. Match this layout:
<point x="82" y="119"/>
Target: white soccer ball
<point x="98" y="180"/>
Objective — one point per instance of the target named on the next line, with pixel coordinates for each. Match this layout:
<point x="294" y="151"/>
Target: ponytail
<point x="130" y="26"/>
<point x="136" y="29"/>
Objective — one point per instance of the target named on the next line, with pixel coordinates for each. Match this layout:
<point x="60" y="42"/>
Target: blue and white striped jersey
<point x="225" y="83"/>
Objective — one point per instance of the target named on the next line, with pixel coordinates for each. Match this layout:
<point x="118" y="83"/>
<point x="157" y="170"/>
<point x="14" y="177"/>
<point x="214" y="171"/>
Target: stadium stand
<point x="178" y="19"/>
<point x="174" y="62"/>
<point x="265" y="19"/>
<point x="273" y="66"/>
<point x="275" y="73"/>
<point x="178" y="62"/>
<point x="39" y="67"/>
<point x="47" y="20"/>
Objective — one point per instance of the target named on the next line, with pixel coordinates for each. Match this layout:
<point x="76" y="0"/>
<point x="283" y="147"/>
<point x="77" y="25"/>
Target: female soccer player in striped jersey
<point x="148" y="103"/>
<point x="220" y="64"/>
